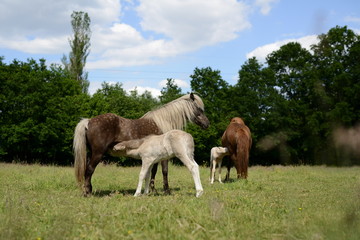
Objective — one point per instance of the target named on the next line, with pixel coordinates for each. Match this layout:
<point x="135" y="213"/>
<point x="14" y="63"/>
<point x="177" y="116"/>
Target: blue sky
<point x="142" y="43"/>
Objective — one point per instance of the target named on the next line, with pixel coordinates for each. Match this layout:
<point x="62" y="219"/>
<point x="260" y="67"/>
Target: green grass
<point x="43" y="202"/>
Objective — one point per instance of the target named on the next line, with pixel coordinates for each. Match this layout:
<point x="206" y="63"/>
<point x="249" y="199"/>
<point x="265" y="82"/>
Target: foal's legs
<point x="143" y="173"/>
<point x="212" y="169"/>
<point x="164" y="165"/>
<point x="219" y="166"/>
<point x="194" y="170"/>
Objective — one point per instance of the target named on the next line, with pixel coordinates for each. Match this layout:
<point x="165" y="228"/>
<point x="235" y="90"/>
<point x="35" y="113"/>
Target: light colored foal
<point x="156" y="148"/>
<point x="216" y="156"/>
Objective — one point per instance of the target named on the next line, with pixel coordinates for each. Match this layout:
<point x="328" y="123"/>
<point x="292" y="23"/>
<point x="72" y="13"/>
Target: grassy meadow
<point x="303" y="202"/>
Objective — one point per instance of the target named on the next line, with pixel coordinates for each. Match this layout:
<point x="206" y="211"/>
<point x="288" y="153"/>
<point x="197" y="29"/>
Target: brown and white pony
<point x="237" y="139"/>
<point x="101" y="133"/>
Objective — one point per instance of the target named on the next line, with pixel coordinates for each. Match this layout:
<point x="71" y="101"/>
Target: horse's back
<point x="233" y="133"/>
<point x="102" y="130"/>
<point x="108" y="129"/>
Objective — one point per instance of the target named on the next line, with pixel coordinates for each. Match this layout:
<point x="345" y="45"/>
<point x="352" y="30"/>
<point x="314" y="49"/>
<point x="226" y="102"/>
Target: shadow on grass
<point x="129" y="192"/>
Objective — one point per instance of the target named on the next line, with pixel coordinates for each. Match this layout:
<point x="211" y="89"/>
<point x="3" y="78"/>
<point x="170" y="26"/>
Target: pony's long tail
<point x="243" y="156"/>
<point x="79" y="148"/>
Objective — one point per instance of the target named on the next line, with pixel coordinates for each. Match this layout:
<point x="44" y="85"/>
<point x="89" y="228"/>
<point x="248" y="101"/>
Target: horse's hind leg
<point x="90" y="168"/>
<point x="147" y="180"/>
<point x="153" y="174"/>
<point x="164" y="165"/>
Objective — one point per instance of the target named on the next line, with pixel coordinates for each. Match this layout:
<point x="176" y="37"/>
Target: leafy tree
<point x="170" y="92"/>
<point x="39" y="111"/>
<point x="213" y="90"/>
<point x="336" y="59"/>
<point x="112" y="98"/>
<point x="292" y="67"/>
<point x="254" y="99"/>
<point x="80" y="48"/>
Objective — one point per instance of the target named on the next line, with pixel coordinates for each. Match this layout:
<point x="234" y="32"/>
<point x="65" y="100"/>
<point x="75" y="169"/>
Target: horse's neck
<point x="169" y="118"/>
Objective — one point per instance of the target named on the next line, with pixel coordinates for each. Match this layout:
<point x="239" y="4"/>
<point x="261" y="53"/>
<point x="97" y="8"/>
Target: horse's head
<point x="199" y="116"/>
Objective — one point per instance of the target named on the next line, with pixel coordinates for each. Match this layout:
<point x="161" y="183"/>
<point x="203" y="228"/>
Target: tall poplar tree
<point x="80" y="49"/>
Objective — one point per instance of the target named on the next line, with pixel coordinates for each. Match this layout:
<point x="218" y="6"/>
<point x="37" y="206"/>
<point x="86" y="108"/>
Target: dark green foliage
<point x="39" y="109"/>
<point x="170" y="92"/>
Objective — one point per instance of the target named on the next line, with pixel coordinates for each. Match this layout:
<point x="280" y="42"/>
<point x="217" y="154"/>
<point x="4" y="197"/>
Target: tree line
<point x="292" y="103"/>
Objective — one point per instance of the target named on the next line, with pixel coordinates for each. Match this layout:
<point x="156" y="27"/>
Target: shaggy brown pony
<point x="237" y="138"/>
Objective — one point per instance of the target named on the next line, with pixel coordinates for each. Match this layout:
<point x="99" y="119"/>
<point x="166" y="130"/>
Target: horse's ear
<point x="192" y="96"/>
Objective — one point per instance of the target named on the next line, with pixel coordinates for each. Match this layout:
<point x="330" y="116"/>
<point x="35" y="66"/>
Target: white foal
<point x="216" y="156"/>
<point x="156" y="148"/>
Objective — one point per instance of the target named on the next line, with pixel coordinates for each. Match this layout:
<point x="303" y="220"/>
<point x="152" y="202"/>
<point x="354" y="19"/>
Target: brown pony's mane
<point x="175" y="114"/>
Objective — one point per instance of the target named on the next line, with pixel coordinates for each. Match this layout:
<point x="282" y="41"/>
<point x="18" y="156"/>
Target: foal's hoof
<point x="199" y="193"/>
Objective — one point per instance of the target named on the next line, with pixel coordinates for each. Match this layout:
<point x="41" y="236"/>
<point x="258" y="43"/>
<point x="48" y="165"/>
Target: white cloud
<point x="194" y="24"/>
<point x="154" y="92"/>
<point x="168" y="28"/>
<point x="44" y="27"/>
<point x="180" y="83"/>
<point x="183" y="27"/>
<point x="265" y="5"/>
<point x="96" y="85"/>
<point x="37" y="45"/>
<point x="357" y="31"/>
<point x="261" y="52"/>
<point x="352" y="19"/>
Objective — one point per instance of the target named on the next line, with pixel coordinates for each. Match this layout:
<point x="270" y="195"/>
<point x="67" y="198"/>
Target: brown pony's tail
<point x="242" y="156"/>
<point x="79" y="148"/>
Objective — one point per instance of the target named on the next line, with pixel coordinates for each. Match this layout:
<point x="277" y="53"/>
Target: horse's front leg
<point x="153" y="174"/>
<point x="144" y="171"/>
<point x="229" y="165"/>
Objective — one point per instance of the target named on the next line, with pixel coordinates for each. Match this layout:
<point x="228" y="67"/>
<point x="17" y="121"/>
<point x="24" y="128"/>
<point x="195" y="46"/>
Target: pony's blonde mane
<point x="175" y="114"/>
